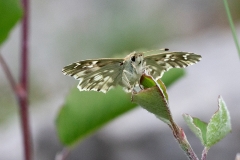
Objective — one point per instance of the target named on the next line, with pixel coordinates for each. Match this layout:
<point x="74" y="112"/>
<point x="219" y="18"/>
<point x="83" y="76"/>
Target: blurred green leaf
<point x="198" y="127"/>
<point x="234" y="33"/>
<point x="219" y="125"/>
<point x="85" y="112"/>
<point x="10" y="13"/>
<point x="172" y="75"/>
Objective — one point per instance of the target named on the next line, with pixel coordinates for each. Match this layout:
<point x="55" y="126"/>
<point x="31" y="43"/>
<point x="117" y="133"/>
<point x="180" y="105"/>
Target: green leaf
<point x="85" y="112"/>
<point x="198" y="127"/>
<point x="153" y="99"/>
<point x="163" y="88"/>
<point x="219" y="125"/>
<point x="147" y="81"/>
<point x="10" y="13"/>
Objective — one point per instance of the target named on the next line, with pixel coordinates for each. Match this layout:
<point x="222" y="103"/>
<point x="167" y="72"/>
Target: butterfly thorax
<point x="134" y="67"/>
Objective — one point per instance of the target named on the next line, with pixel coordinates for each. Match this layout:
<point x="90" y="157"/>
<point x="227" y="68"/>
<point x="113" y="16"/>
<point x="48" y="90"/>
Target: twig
<point x="24" y="52"/>
<point x="23" y="99"/>
<point x="8" y="74"/>
<point x="204" y="153"/>
<point x="63" y="154"/>
<point x="180" y="136"/>
<point x="21" y="91"/>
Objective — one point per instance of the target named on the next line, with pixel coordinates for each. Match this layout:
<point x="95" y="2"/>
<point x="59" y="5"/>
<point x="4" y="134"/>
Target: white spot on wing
<point x="185" y="56"/>
<point x="98" y="77"/>
<point x="79" y="75"/>
<point x="94" y="62"/>
<point x="168" y="56"/>
<point x="90" y="66"/>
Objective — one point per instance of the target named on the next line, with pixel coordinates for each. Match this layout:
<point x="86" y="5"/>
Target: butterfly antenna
<point x="162" y="49"/>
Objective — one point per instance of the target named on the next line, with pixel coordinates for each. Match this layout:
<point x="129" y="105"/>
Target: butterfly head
<point x="136" y="60"/>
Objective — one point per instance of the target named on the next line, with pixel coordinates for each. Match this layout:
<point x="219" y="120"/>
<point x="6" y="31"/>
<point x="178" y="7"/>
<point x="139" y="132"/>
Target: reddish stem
<point x="8" y="74"/>
<point x="63" y="155"/>
<point x="183" y="142"/>
<point x="24" y="68"/>
<point x="23" y="90"/>
<point x="204" y="153"/>
<point x="25" y="128"/>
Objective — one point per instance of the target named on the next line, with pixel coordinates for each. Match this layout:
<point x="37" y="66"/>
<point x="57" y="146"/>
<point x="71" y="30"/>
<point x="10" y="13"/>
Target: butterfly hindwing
<point x="157" y="64"/>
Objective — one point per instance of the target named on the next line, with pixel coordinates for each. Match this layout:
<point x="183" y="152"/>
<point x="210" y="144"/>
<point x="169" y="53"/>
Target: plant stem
<point x="24" y="69"/>
<point x="23" y="98"/>
<point x="8" y="74"/>
<point x="180" y="136"/>
<point x="232" y="26"/>
<point x="204" y="153"/>
<point x="63" y="155"/>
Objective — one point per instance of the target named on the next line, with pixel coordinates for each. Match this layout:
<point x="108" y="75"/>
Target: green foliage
<point x="218" y="127"/>
<point x="197" y="126"/>
<point x="172" y="76"/>
<point x="153" y="99"/>
<point x="232" y="25"/>
<point x="147" y="82"/>
<point x="85" y="112"/>
<point x="10" y="13"/>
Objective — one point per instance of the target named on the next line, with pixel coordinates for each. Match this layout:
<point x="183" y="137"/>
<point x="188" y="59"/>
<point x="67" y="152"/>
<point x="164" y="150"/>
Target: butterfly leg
<point x="133" y="92"/>
<point x="125" y="79"/>
<point x="141" y="87"/>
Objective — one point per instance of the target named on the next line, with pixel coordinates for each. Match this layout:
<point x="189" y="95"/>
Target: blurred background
<point x="66" y="31"/>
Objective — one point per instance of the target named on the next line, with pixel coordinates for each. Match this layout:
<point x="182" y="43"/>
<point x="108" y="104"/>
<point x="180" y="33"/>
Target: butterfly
<point x="106" y="73"/>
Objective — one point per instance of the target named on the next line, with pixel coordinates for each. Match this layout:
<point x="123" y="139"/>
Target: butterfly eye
<point x="133" y="58"/>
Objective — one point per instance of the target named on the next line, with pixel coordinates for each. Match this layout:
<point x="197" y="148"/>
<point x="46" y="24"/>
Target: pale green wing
<point x="157" y="64"/>
<point x="97" y="74"/>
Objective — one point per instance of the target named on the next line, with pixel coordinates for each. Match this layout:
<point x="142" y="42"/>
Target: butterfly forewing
<point x="157" y="64"/>
<point x="97" y="75"/>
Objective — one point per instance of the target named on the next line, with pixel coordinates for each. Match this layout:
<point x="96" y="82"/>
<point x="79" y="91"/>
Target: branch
<point x="63" y="155"/>
<point x="23" y="100"/>
<point x="8" y="74"/>
<point x="21" y="90"/>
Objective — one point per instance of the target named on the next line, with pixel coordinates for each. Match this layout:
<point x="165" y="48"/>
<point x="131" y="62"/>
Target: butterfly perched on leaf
<point x="105" y="73"/>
